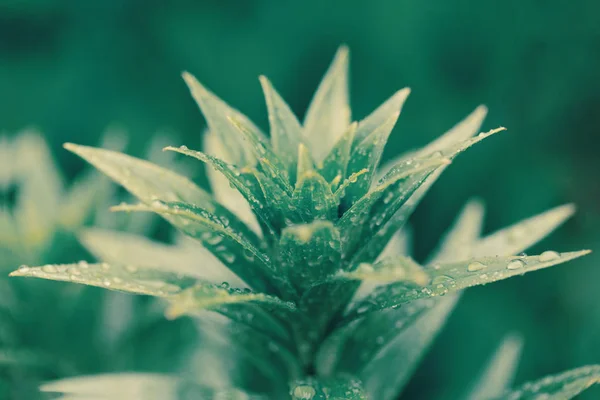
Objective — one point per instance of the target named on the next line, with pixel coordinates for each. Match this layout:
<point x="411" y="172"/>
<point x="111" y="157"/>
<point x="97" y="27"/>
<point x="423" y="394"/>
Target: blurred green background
<point x="73" y="68"/>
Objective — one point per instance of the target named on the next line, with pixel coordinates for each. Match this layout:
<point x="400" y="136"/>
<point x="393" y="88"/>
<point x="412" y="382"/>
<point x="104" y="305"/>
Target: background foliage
<point x="72" y="68"/>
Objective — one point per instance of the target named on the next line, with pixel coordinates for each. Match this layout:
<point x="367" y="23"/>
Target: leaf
<point x="500" y="371"/>
<point x="384" y="348"/>
<point x="397" y="269"/>
<point x="85" y="194"/>
<point x="305" y="162"/>
<point x="271" y="358"/>
<point x="459" y="241"/>
<point x="367" y="155"/>
<point x="378" y="117"/>
<point x="563" y="386"/>
<point x="129" y="386"/>
<point x="270" y="162"/>
<point x="129" y="249"/>
<point x="335" y="164"/>
<point x="242" y="180"/>
<point x="312" y="199"/>
<point x="314" y="389"/>
<point x="519" y="237"/>
<point x="239" y="255"/>
<point x="124" y="278"/>
<point x="454" y="276"/>
<point x="138" y="386"/>
<point x="398" y="185"/>
<point x="217" y="114"/>
<point x="309" y="253"/>
<point x="146" y="181"/>
<point x="398" y="219"/>
<point x="286" y="131"/>
<point x="208" y="296"/>
<point x="328" y="114"/>
<point x="372" y="135"/>
<point x="221" y="188"/>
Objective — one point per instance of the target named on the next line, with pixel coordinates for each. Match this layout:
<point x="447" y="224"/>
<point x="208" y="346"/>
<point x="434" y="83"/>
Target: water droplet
<point x="228" y="257"/>
<point x="51" y="269"/>
<point x="224" y="285"/>
<point x="442" y="280"/>
<point x="24" y="269"/>
<point x="304" y="392"/>
<point x="476" y="266"/>
<point x="549" y="256"/>
<point x="83" y="264"/>
<point x="184" y="148"/>
<point x="515" y="264"/>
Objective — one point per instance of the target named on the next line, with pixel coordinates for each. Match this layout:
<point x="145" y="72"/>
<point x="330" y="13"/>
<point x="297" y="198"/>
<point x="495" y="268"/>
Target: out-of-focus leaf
<point x="286" y="131"/>
<point x="563" y="386"/>
<point x="522" y="235"/>
<point x="500" y="371"/>
<point x="145" y="180"/>
<point x="217" y="114"/>
<point x="328" y="114"/>
<point x="129" y="249"/>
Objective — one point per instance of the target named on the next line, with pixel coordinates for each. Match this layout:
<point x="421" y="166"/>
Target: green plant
<point x="327" y="303"/>
<point x="50" y="331"/>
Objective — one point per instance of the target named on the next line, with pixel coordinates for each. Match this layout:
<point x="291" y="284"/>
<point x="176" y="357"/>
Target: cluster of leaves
<point x="51" y="331"/>
<point x="305" y="281"/>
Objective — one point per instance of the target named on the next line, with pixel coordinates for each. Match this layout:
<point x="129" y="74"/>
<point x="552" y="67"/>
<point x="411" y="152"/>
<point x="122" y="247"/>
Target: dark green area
<point x="73" y="68"/>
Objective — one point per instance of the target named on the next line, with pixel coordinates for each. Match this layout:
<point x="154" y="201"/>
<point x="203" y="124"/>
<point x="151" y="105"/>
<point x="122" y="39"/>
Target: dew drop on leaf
<point x="304" y="392"/>
<point x="50" y="269"/>
<point x="549" y="256"/>
<point x="515" y="264"/>
<point x="476" y="266"/>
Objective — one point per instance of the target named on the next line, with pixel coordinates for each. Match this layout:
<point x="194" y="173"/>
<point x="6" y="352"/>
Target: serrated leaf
<point x="239" y="255"/>
<point x="221" y="188"/>
<point x="129" y="249"/>
<point x="309" y="253"/>
<point x="328" y="114"/>
<point x="500" y="371"/>
<point x="335" y="164"/>
<point x="397" y="269"/>
<point x="124" y="278"/>
<point x="217" y="112"/>
<point x="367" y="155"/>
<point x="145" y="180"/>
<point x="286" y="131"/>
<point x="520" y="236"/>
<point x="454" y="276"/>
<point x="313" y="199"/>
<point x="564" y="386"/>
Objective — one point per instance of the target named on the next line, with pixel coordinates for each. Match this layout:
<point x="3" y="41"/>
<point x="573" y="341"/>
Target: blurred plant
<point x="50" y="331"/>
<point x="321" y="300"/>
